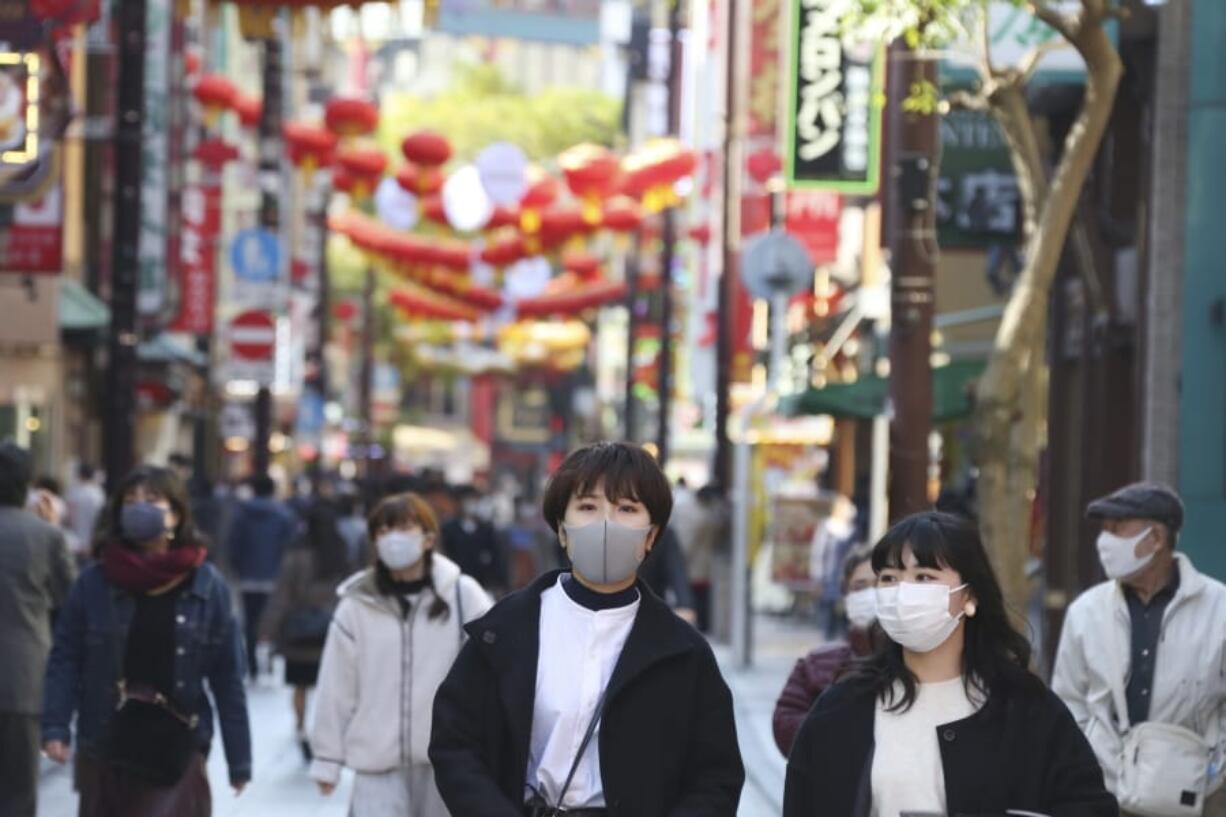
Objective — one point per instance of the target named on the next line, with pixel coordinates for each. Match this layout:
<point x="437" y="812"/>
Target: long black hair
<point x="329" y="550"/>
<point x="161" y="482"/>
<point x="995" y="654"/>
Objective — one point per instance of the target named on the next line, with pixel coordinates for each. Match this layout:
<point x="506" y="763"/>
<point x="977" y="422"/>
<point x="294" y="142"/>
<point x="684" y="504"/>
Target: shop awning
<point x="164" y="348"/>
<point x="81" y="310"/>
<point x="866" y="398"/>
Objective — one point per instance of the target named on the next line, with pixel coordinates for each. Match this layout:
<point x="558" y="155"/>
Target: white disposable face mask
<point x="861" y="606"/>
<point x="916" y="616"/>
<point x="399" y="549"/>
<point x="1119" y="555"/>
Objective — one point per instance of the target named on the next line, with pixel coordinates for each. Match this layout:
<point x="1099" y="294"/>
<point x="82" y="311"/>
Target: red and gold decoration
<point x="216" y="95"/>
<point x="592" y="173"/>
<point x="365" y="165"/>
<point x="651" y="174"/>
<point x="310" y="146"/>
<point x="350" y="118"/>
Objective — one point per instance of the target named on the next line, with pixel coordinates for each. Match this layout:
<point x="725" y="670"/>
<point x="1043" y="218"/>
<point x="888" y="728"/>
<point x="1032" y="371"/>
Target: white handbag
<point x="1164" y="768"/>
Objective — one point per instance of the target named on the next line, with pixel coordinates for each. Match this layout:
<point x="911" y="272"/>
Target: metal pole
<point x="741" y="618"/>
<point x="366" y="373"/>
<point x="119" y="413"/>
<point x="733" y="126"/>
<point x="913" y="263"/>
<point x="270" y="213"/>
<point x="632" y="302"/>
<point x="669" y="240"/>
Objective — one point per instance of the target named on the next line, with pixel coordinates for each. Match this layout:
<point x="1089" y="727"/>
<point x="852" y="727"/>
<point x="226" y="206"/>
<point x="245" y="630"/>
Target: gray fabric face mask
<point x="606" y="552"/>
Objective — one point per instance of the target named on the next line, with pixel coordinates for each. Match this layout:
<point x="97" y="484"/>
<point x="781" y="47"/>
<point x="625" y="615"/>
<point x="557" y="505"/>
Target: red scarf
<point x="139" y="572"/>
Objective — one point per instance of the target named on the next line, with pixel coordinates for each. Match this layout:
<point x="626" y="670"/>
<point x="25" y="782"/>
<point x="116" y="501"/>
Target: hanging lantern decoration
<point x="432" y="210"/>
<point x="192" y="61"/>
<point x="584" y="265"/>
<point x="349" y="117"/>
<point x="591" y="173"/>
<point x="622" y="215"/>
<point x="763" y="164"/>
<point x="701" y="234"/>
<point x="249" y="109"/>
<point x="426" y="148"/>
<point x="216" y="95"/>
<point x="503" y="217"/>
<point x="420" y="181"/>
<point x="651" y="173"/>
<point x="310" y="146"/>
<point x="504" y="252"/>
<point x="342" y="181"/>
<point x="215" y="153"/>
<point x="365" y="165"/>
<point x="542" y="191"/>
<point x="560" y="226"/>
<point x="572" y="300"/>
<point x="420" y="302"/>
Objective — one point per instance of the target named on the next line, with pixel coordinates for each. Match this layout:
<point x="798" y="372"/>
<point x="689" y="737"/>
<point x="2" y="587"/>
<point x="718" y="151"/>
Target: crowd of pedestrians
<point x="549" y="659"/>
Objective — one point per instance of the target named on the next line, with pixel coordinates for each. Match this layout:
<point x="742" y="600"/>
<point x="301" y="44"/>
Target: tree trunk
<point x="1010" y="412"/>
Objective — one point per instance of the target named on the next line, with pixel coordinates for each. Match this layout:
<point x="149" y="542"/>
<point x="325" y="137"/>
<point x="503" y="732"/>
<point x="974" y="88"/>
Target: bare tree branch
<point x="985" y="41"/>
<point x="1067" y="26"/>
<point x="967" y="101"/>
<point x="1030" y="62"/>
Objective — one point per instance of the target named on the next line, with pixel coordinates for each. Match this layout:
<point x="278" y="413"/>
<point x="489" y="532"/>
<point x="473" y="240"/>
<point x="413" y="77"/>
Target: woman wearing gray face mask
<point x="584" y="692"/>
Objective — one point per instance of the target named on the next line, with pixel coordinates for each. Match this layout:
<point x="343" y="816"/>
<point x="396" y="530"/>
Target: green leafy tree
<point x="1011" y="412"/>
<point x="482" y="107"/>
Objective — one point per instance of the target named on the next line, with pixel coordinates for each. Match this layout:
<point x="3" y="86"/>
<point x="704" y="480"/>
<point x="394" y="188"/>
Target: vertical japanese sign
<point x="834" y="115"/>
<point x="201" y="227"/>
<point x="155" y="184"/>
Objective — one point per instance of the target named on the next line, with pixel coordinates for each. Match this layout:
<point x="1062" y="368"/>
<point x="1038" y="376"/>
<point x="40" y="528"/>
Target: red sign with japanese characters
<point x="198" y="256"/>
<point x="813" y="218"/>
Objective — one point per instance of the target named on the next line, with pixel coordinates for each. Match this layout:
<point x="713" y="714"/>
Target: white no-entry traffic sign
<point x="253" y="335"/>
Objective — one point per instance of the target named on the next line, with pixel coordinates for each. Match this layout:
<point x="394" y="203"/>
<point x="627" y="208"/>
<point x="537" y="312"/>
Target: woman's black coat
<point x="1022" y="751"/>
<point x="668" y="745"/>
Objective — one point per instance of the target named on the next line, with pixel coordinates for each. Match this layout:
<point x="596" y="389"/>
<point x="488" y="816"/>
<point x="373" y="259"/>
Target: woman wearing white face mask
<point x="584" y="691"/>
<point x="946" y="718"/>
<point x="817" y="671"/>
<point x="398" y="627"/>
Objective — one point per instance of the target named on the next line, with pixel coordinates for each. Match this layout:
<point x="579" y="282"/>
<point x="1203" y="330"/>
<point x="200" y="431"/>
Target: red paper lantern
<point x="191" y="61"/>
<point x="572" y="301"/>
<point x="622" y="215"/>
<point x="417" y="301"/>
<point x="540" y="194"/>
<point x="561" y="225"/>
<point x="504" y="252"/>
<point x="345" y="311"/>
<point x="420" y="181"/>
<point x="763" y="164"/>
<point x="700" y="234"/>
<point x="591" y="173"/>
<point x="503" y="217"/>
<point x="426" y="148"/>
<point x="651" y="173"/>
<point x="342" y="181"/>
<point x="215" y="94"/>
<point x="310" y="146"/>
<point x="348" y="117"/>
<point x="215" y="153"/>
<point x="249" y="110"/>
<point x="432" y="210"/>
<point x="364" y="165"/>
<point x="582" y="264"/>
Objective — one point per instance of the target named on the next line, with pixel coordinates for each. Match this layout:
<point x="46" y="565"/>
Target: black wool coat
<point x="1022" y="752"/>
<point x="668" y="745"/>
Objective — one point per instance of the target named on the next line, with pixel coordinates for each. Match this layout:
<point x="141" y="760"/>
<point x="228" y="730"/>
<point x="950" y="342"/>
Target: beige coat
<point x="380" y="671"/>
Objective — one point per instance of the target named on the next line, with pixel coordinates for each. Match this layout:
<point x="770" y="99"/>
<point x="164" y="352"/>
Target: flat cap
<point x="1141" y="500"/>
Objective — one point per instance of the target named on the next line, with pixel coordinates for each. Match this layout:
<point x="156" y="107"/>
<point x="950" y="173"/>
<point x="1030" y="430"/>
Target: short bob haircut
<point x="163" y="483"/>
<point x="995" y="655"/>
<point x="628" y="472"/>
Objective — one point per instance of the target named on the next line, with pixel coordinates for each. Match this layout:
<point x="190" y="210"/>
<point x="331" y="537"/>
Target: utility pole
<point x="913" y="149"/>
<point x="669" y="240"/>
<point x="119" y="411"/>
<point x="721" y="470"/>
<point x="632" y="323"/>
<point x="270" y="211"/>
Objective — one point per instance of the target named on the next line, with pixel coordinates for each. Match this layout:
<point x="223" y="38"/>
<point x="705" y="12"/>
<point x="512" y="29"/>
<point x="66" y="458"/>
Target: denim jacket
<point x="86" y="663"/>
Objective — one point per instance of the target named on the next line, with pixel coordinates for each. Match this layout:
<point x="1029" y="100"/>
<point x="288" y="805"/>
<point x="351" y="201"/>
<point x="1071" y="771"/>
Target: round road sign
<point x="253" y="335"/>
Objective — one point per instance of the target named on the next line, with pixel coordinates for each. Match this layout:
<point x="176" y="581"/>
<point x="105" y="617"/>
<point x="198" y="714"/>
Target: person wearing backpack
<point x="584" y="694"/>
<point x="1142" y="661"/>
<point x="395" y="633"/>
<point x="300" y="610"/>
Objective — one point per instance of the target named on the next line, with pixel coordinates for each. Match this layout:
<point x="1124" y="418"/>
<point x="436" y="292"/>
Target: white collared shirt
<point x="578" y="650"/>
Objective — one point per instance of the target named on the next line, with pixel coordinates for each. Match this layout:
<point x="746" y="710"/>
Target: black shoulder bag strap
<point x="587" y="738"/>
<point x="459" y="604"/>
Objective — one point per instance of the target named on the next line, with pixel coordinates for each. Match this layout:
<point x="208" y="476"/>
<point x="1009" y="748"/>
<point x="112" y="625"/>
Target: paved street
<point x="282" y="787"/>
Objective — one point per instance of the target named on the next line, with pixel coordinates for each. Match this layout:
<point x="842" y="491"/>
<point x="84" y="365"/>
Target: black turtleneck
<point x="588" y="598"/>
<point x="400" y="588"/>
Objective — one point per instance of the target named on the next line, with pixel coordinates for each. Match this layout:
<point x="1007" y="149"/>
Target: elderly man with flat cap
<point x="1142" y="661"/>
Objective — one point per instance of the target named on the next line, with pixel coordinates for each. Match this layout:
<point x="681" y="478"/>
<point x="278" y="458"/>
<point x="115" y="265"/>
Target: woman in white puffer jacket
<point x="394" y="636"/>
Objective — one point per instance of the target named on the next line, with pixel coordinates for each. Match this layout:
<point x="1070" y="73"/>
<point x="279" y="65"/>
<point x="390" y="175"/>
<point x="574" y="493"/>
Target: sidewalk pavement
<point x="282" y="787"/>
<point x="777" y="644"/>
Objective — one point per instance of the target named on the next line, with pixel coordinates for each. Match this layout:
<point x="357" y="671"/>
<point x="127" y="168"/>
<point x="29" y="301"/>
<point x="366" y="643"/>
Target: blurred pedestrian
<point x="665" y="572"/>
<point x="36" y="571"/>
<point x="471" y="541"/>
<point x="397" y="629"/>
<point x="817" y="671"/>
<point x="85" y="500"/>
<point x="143" y="630"/>
<point x="946" y="718"/>
<point x="301" y="607"/>
<point x="352" y="527"/>
<point x="710" y="536"/>
<point x="583" y="694"/>
<point x="1142" y="661"/>
<point x="260" y="533"/>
